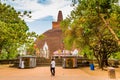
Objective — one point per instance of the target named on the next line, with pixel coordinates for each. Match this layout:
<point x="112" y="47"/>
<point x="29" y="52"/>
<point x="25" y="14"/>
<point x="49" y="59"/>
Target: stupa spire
<point x="56" y="25"/>
<point x="60" y="16"/>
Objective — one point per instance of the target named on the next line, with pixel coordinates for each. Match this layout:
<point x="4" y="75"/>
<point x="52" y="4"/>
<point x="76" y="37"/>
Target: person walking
<point x="52" y="67"/>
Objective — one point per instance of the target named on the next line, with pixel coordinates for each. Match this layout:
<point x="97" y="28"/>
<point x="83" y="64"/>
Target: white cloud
<point x="41" y="10"/>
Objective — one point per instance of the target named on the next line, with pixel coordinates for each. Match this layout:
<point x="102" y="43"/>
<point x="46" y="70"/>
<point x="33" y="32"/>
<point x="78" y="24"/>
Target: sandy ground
<point x="99" y="72"/>
<point x="43" y="73"/>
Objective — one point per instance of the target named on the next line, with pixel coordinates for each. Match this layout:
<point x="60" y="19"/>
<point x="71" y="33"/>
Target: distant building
<point x="53" y="38"/>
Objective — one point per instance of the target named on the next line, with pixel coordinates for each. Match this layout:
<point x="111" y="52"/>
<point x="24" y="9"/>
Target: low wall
<point x="9" y="61"/>
<point x="46" y="62"/>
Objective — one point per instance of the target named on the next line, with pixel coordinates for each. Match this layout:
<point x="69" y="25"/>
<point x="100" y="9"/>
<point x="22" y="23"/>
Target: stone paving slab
<point x="43" y="73"/>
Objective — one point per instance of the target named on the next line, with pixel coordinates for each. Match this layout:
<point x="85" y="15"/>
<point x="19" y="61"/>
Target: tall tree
<point x="13" y="29"/>
<point x="94" y="22"/>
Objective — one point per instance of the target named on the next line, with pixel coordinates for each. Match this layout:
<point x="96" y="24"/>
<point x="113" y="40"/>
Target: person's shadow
<point x="52" y="77"/>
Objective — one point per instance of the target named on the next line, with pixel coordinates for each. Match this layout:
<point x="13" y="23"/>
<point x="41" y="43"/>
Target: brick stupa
<point x="53" y="37"/>
<point x="59" y="19"/>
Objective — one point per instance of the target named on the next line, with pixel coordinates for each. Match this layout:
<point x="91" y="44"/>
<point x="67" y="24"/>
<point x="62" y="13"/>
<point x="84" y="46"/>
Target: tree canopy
<point x="13" y="30"/>
<point x="91" y="23"/>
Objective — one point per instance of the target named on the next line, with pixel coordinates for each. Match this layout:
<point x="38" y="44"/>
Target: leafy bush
<point x="3" y="56"/>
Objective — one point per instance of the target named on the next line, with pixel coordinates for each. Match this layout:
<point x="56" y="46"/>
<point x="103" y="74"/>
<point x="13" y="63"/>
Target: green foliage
<point x="94" y="23"/>
<point x="116" y="55"/>
<point x="88" y="52"/>
<point x="12" y="56"/>
<point x="3" y="56"/>
<point x="13" y="31"/>
<point x="30" y="49"/>
<point x="105" y="48"/>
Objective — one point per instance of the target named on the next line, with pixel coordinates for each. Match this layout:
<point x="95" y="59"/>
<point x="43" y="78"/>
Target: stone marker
<point x="111" y="73"/>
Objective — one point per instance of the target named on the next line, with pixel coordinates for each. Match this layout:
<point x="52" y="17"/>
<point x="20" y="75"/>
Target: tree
<point x="94" y="23"/>
<point x="104" y="49"/>
<point x="13" y="29"/>
<point x="30" y="44"/>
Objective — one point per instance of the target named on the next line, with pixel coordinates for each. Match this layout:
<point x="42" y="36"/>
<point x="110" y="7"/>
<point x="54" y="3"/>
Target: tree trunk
<point x="102" y="64"/>
<point x="110" y="29"/>
<point x="106" y="62"/>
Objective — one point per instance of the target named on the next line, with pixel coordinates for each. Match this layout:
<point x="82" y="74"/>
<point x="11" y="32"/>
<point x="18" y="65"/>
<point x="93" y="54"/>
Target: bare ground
<point x="99" y="72"/>
<point x="43" y="73"/>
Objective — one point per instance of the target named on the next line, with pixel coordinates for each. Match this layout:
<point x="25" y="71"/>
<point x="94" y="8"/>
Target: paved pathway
<point x="43" y="73"/>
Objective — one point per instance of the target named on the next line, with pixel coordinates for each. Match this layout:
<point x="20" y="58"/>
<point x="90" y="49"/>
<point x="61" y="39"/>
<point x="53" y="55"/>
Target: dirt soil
<point x="43" y="73"/>
<point x="99" y="72"/>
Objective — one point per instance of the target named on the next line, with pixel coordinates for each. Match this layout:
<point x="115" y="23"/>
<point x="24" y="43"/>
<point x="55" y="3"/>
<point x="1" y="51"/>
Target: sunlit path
<point x="43" y="73"/>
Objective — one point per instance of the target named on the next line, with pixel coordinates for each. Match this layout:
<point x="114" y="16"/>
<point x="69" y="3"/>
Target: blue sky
<point x="43" y="12"/>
